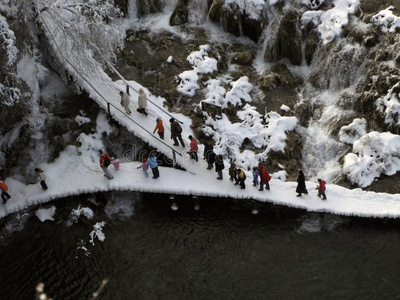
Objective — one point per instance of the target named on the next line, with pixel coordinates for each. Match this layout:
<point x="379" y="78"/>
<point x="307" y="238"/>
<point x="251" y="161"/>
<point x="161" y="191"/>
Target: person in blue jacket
<point x="152" y="162"/>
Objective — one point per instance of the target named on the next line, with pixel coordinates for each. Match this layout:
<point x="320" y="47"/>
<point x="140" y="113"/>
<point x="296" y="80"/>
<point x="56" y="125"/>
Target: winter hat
<point x="171" y="120"/>
<point x="190" y="137"/>
<point x="144" y="160"/>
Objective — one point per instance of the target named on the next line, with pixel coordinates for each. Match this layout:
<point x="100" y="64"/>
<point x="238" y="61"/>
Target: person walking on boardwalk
<point x="193" y="148"/>
<point x="301" y="184"/>
<point x="209" y="155"/>
<point x="42" y="178"/>
<point x="4" y="195"/>
<point x="144" y="166"/>
<point x="232" y="172"/>
<point x="152" y="162"/>
<point x="125" y="101"/>
<point x="321" y="188"/>
<point x="255" y="176"/>
<point x="105" y="162"/>
<point x="142" y="102"/>
<point x="219" y="165"/>
<point x="264" y="177"/>
<point x="160" y="128"/>
<point x="241" y="178"/>
<point x="176" y="132"/>
<point x="115" y="162"/>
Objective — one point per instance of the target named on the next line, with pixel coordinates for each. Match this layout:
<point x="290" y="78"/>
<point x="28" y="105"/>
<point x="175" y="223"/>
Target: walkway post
<point x="174" y="158"/>
<point x="108" y="108"/>
<point x="127" y="89"/>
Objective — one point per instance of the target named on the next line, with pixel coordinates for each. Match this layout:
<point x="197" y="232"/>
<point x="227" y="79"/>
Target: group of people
<point x="142" y="102"/>
<point x="302" y="189"/>
<point x="261" y="176"/>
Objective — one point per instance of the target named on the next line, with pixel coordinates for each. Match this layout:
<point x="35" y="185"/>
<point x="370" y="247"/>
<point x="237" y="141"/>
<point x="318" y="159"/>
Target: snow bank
<point x="331" y="21"/>
<point x="352" y="132"/>
<point x="374" y="154"/>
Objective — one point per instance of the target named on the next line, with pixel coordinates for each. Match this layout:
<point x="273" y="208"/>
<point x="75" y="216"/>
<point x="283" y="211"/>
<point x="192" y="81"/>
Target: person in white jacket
<point x="125" y="101"/>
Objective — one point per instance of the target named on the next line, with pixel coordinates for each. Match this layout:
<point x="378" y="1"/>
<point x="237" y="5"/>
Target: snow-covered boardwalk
<point x="72" y="175"/>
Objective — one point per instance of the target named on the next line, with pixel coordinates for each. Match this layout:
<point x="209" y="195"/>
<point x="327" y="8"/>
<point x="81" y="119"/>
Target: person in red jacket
<point x="264" y="177"/>
<point x="4" y="195"/>
<point x="160" y="128"/>
<point x="321" y="189"/>
<point x="105" y="161"/>
<point x="193" y="148"/>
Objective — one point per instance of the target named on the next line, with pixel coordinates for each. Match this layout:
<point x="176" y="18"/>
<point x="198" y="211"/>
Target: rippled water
<point x="222" y="251"/>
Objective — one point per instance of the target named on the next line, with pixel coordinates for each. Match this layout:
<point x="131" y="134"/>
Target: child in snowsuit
<point x="144" y="166"/>
<point x="42" y="178"/>
<point x="255" y="176"/>
<point x="4" y="195"/>
<point x="152" y="162"/>
<point x="321" y="189"/>
<point x="115" y="162"/>
<point x="160" y="128"/>
<point x="193" y="148"/>
<point x="241" y="177"/>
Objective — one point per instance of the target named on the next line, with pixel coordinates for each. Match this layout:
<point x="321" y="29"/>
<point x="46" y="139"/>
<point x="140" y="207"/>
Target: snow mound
<point x="386" y="20"/>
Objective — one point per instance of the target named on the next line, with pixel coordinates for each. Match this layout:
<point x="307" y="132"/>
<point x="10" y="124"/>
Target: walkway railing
<point x="174" y="152"/>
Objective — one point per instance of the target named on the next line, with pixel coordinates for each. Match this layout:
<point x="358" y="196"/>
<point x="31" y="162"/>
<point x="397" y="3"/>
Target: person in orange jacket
<point x="160" y="128"/>
<point x="4" y="195"/>
<point x="321" y="189"/>
<point x="193" y="148"/>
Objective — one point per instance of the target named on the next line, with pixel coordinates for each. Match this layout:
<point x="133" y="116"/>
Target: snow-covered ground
<point x="73" y="174"/>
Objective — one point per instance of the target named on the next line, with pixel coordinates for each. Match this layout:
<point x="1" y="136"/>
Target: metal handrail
<point x="128" y="85"/>
<point x="108" y="103"/>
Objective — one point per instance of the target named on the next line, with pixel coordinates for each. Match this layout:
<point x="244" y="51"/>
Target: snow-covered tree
<point x="81" y="31"/>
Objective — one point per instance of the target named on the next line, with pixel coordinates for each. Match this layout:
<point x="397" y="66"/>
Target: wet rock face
<point x="180" y="15"/>
<point x="233" y="21"/>
<point x="288" y="39"/>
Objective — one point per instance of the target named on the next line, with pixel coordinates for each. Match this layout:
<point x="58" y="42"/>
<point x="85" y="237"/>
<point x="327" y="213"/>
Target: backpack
<point x="107" y="161"/>
<point x="178" y="128"/>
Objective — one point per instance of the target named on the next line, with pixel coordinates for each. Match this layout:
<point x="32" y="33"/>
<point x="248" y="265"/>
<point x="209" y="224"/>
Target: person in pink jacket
<point x="144" y="166"/>
<point x="193" y="148"/>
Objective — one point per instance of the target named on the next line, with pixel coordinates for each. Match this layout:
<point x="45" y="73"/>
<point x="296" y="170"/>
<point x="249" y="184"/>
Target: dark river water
<point x="224" y="250"/>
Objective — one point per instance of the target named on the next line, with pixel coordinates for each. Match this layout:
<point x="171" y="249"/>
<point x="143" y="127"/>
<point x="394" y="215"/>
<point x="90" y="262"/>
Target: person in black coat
<point x="301" y="184"/>
<point x="209" y="155"/>
<point x="219" y="165"/>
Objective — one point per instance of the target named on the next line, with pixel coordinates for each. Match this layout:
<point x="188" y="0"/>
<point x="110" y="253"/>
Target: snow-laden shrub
<point x="97" y="232"/>
<point x="312" y="4"/>
<point x="9" y="95"/>
<point x="352" y="132"/>
<point x="201" y="64"/>
<point x="374" y="154"/>
<point x="7" y="40"/>
<point x="330" y="22"/>
<point x="389" y="105"/>
<point x="188" y="83"/>
<point x="386" y="20"/>
<point x="239" y="93"/>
